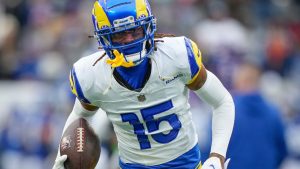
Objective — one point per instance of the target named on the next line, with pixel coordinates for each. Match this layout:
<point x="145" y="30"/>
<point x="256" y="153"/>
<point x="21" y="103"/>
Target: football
<point x="82" y="146"/>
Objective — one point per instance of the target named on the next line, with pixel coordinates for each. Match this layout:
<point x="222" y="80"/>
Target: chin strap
<point x="119" y="60"/>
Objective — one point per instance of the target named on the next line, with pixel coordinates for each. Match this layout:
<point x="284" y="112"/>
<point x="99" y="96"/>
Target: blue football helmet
<point x="113" y="18"/>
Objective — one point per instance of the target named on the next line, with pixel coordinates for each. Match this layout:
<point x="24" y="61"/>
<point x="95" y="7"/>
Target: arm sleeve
<point x="215" y="94"/>
<point x="78" y="112"/>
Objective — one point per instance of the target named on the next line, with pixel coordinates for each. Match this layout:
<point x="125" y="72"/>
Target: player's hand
<point x="214" y="163"/>
<point x="59" y="162"/>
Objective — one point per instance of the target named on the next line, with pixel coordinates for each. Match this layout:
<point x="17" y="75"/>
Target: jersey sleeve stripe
<point x="76" y="88"/>
<point x="194" y="58"/>
<point x="72" y="85"/>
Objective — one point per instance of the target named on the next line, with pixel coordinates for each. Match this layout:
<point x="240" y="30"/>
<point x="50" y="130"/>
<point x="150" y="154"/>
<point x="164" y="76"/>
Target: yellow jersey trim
<point x="198" y="58"/>
<point x="72" y="85"/>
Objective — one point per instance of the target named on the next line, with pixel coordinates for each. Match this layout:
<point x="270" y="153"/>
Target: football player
<point x="142" y="80"/>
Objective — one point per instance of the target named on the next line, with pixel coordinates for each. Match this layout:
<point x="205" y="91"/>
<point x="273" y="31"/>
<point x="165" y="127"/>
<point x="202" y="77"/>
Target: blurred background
<point x="253" y="46"/>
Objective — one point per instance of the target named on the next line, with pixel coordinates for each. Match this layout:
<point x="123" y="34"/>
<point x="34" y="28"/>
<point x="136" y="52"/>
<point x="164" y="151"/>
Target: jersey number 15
<point x="153" y="124"/>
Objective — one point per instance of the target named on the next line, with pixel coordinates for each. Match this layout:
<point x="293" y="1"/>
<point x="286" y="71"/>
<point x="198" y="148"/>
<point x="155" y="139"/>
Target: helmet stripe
<point x="141" y="8"/>
<point x="100" y="15"/>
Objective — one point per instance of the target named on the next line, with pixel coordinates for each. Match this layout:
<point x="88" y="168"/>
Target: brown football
<point x="80" y="143"/>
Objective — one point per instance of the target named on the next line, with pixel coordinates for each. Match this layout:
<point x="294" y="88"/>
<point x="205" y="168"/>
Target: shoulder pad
<point x="82" y="76"/>
<point x="76" y="88"/>
<point x="184" y="55"/>
<point x="194" y="57"/>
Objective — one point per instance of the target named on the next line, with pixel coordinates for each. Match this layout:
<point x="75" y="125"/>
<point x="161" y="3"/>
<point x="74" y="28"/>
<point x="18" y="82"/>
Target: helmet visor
<point x="128" y="36"/>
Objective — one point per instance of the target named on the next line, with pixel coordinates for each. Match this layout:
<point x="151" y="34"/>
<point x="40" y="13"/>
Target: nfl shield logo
<point x="141" y="98"/>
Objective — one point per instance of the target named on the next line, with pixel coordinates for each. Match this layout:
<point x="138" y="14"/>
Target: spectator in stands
<point x="258" y="140"/>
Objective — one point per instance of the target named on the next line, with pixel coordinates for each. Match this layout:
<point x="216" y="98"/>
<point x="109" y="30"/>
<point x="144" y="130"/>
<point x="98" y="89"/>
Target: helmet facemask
<point x="142" y="31"/>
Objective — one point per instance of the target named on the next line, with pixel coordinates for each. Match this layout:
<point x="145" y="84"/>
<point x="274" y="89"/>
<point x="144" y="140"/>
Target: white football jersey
<point x="152" y="126"/>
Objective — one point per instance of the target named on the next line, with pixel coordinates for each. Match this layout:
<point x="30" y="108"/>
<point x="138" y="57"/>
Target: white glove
<point x="214" y="163"/>
<point x="59" y="162"/>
